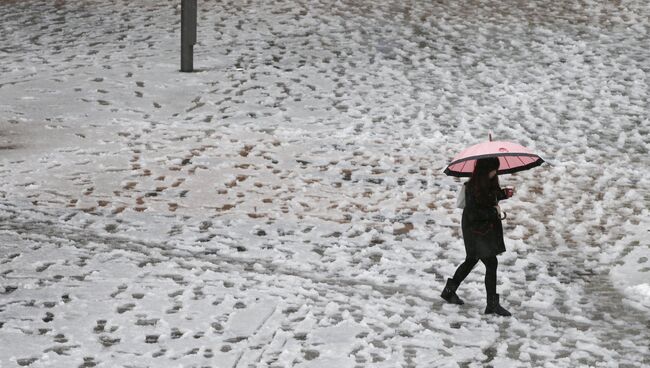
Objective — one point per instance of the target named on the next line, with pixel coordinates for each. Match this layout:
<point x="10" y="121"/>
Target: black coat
<point x="482" y="229"/>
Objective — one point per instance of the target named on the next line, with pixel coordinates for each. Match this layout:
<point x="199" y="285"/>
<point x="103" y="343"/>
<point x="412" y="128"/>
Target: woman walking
<point x="482" y="232"/>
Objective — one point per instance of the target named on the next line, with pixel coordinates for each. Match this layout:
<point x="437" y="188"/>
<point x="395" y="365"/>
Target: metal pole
<point x="188" y="34"/>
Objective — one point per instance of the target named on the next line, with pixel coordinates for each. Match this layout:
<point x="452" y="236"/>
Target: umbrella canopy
<point x="512" y="158"/>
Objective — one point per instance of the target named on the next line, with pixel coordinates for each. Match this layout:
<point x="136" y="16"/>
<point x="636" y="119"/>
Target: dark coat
<point x="482" y="229"/>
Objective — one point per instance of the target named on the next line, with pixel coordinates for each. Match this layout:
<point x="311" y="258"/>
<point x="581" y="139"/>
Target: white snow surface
<point x="284" y="205"/>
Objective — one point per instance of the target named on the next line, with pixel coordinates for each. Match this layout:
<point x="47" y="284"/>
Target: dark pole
<point x="188" y="34"/>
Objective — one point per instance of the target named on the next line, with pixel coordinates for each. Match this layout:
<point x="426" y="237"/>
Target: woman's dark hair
<point x="482" y="187"/>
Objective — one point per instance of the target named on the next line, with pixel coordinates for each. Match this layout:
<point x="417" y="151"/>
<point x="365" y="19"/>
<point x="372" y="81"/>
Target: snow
<point x="285" y="204"/>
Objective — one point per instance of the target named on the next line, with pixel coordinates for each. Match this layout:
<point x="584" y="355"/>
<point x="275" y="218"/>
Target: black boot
<point x="449" y="293"/>
<point x="493" y="306"/>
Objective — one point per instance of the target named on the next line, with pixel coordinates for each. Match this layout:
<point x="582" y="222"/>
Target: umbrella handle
<point x="505" y="215"/>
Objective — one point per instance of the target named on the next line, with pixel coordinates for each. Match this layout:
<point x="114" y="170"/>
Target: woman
<point x="482" y="232"/>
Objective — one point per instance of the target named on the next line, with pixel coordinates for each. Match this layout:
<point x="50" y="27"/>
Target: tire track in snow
<point x="82" y="237"/>
<point x="603" y="314"/>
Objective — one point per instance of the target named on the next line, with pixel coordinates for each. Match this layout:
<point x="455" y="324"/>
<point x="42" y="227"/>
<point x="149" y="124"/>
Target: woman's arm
<point x="477" y="212"/>
<point x="482" y="214"/>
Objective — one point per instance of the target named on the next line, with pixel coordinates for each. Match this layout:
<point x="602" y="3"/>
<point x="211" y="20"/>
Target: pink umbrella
<point x="512" y="156"/>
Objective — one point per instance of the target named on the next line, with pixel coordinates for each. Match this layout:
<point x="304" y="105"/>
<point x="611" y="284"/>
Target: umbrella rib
<point x="505" y="158"/>
<point x="463" y="167"/>
<point x="520" y="160"/>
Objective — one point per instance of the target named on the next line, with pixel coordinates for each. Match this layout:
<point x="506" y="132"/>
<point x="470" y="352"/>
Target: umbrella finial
<point x="490" y="136"/>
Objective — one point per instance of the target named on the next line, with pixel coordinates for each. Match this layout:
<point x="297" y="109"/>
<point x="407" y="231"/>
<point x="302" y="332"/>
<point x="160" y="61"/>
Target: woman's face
<point x="492" y="174"/>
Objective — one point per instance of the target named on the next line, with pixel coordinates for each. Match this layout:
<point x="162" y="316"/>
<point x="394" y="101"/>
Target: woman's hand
<point x="502" y="215"/>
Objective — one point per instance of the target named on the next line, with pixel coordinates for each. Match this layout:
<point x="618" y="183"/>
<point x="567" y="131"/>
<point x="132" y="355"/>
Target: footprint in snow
<point x="24" y="362"/>
<point x="120" y="289"/>
<point x="108" y="341"/>
<point x="60" y="338"/>
<point x="151" y="339"/>
<point x="88" y="362"/>
<point x="44" y="267"/>
<point x="49" y="317"/>
<point x="174" y="309"/>
<point x="125" y="308"/>
<point x="192" y="352"/>
<point x="176" y="333"/>
<point x="311" y="354"/>
<point x="101" y="325"/>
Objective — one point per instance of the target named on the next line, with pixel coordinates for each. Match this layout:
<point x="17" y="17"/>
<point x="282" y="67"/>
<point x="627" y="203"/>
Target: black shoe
<point x="449" y="293"/>
<point x="493" y="306"/>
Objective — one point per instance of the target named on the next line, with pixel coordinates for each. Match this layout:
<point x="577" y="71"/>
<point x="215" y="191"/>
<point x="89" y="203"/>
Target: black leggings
<point x="490" y="263"/>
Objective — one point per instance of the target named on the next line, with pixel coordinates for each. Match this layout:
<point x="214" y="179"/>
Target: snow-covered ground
<point x="285" y="206"/>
